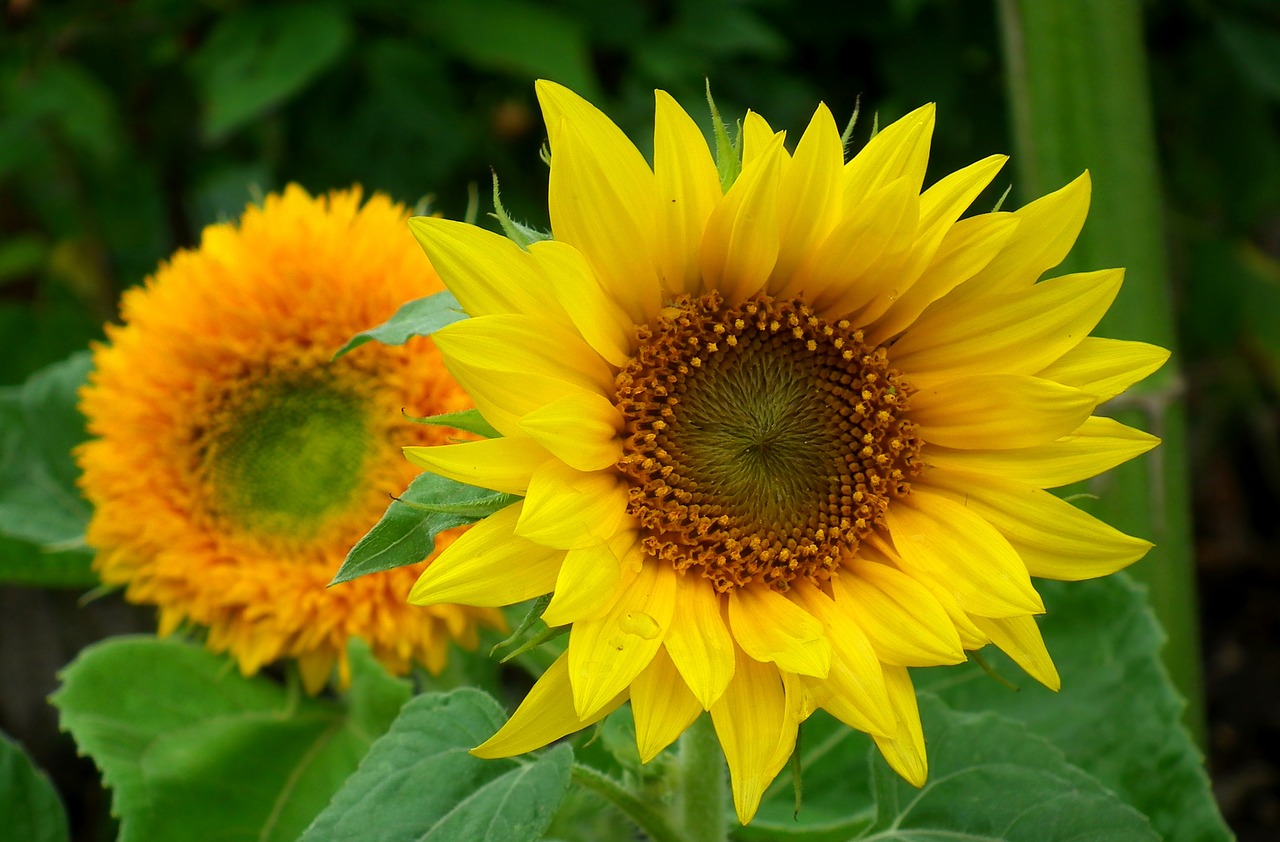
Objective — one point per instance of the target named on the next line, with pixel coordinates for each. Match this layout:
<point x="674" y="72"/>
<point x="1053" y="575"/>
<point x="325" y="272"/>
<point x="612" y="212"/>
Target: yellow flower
<point x="233" y="465"/>
<point x="778" y="443"/>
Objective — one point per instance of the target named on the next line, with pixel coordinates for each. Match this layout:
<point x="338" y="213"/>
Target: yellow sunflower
<point x="233" y="466"/>
<point x="779" y="442"/>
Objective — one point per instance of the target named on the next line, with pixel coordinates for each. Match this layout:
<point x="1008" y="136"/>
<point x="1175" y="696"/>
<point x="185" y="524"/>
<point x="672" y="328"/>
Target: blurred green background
<point x="125" y="127"/>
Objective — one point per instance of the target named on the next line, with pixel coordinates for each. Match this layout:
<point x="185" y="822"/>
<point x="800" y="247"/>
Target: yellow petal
<point x="1020" y="639"/>
<point x="809" y="197"/>
<point x="503" y="464"/>
<point x="489" y="566"/>
<point x="757" y="137"/>
<point x="602" y="199"/>
<point x="1047" y="231"/>
<point x="1054" y="538"/>
<point x="1099" y="445"/>
<point x="904" y="751"/>
<point x="854" y="689"/>
<point x="526" y="346"/>
<point x="572" y="509"/>
<point x="580" y="429"/>
<point x="604" y="325"/>
<point x="998" y="411"/>
<point x="751" y="723"/>
<point x="1016" y="333"/>
<point x="699" y="642"/>
<point x="740" y="244"/>
<point x="899" y="150"/>
<point x="905" y="624"/>
<point x="970" y="245"/>
<point x="607" y="653"/>
<point x="662" y="705"/>
<point x="588" y="582"/>
<point x="942" y="541"/>
<point x="1105" y="367"/>
<point x="688" y="190"/>
<point x="545" y="715"/>
<point x="487" y="273"/>
<point x="770" y="627"/>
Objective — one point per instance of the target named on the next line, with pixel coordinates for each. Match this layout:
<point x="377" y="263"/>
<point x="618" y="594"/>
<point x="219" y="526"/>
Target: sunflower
<point x="779" y="442"/>
<point x="232" y="465"/>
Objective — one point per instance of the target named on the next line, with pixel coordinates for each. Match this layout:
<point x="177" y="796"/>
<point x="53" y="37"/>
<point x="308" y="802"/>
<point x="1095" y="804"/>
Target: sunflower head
<point x="233" y="464"/>
<point x="777" y="441"/>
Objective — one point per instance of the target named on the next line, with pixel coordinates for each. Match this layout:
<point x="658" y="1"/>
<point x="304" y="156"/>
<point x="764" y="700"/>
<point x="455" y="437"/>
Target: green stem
<point x="703" y="788"/>
<point x="653" y="822"/>
<point x="1077" y="86"/>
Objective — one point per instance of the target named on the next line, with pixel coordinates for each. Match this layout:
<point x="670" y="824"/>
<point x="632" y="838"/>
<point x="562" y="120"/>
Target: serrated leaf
<point x="257" y="57"/>
<point x="420" y="317"/>
<point x="407" y="532"/>
<point x="193" y="751"/>
<point x="40" y="424"/>
<point x="29" y="807"/>
<point x="992" y="780"/>
<point x="419" y="782"/>
<point x="468" y="420"/>
<point x="1117" y="715"/>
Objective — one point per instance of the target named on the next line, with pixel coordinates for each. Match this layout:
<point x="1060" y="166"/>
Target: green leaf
<point x="258" y="57"/>
<point x="39" y="426"/>
<point x="29" y="806"/>
<point x="193" y="751"/>
<point x="421" y="317"/>
<point x="468" y="420"/>
<point x="419" y="783"/>
<point x="1117" y="715"/>
<point x="992" y="779"/>
<point x="407" y="532"/>
<point x="23" y="563"/>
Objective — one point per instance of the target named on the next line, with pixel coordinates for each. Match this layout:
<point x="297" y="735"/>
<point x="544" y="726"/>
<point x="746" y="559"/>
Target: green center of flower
<point x="286" y="456"/>
<point x="763" y="442"/>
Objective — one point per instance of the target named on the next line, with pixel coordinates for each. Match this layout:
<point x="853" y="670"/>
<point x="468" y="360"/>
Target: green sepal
<point x="468" y="420"/>
<point x="519" y="233"/>
<point x="420" y="317"/>
<point x="728" y="152"/>
<point x="407" y="532"/>
<point x="548" y="634"/>
<point x="530" y="618"/>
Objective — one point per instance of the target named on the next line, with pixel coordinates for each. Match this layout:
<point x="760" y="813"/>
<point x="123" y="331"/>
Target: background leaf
<point x="420" y="783"/>
<point x="193" y="751"/>
<point x="407" y="532"/>
<point x="421" y="317"/>
<point x="29" y="808"/>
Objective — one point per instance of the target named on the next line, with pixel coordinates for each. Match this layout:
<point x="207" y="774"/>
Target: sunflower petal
<point x="1019" y="638"/>
<point x="571" y="509"/>
<point x="587" y="584"/>
<point x="603" y="323"/>
<point x="899" y="150"/>
<point x="770" y="627"/>
<point x="1054" y="539"/>
<point x="688" y="190"/>
<point x="545" y="715"/>
<point x="809" y="198"/>
<point x="581" y="429"/>
<point x="662" y="705"/>
<point x="904" y="750"/>
<point x="940" y="540"/>
<point x="476" y="569"/>
<point x="699" y="642"/>
<point x="740" y="243"/>
<point x="1099" y="445"/>
<point x="905" y="624"/>
<point x="503" y="464"/>
<point x="605" y="654"/>
<point x="1105" y="367"/>
<point x="751" y="723"/>
<point x="998" y="411"/>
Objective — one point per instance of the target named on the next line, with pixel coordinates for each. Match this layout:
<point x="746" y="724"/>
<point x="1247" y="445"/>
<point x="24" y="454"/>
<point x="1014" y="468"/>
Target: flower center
<point x="763" y="442"/>
<point x="283" y="456"/>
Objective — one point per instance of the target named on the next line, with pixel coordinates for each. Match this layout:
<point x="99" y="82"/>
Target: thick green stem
<point x="652" y="821"/>
<point x="703" y="787"/>
<point x="1078" y="93"/>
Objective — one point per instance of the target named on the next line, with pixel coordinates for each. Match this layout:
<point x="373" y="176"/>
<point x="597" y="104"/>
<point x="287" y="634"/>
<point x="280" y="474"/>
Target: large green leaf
<point x="407" y="532"/>
<point x="1117" y="715"/>
<point x="420" y="317"/>
<point x="257" y="57"/>
<point x="419" y="782"/>
<point x="193" y="751"/>
<point x="39" y="500"/>
<point x="29" y="807"/>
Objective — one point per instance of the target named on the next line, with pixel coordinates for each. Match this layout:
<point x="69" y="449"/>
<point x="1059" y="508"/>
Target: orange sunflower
<point x="232" y="465"/>
<point x="776" y="440"/>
